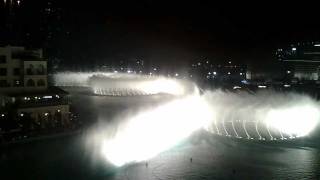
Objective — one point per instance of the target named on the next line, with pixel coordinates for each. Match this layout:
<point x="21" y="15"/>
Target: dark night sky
<point x="180" y="31"/>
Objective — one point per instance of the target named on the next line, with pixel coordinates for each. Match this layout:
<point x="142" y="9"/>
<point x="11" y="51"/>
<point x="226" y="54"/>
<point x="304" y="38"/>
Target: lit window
<point x="16" y="83"/>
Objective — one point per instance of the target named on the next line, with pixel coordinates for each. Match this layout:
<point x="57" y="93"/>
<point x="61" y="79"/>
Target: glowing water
<point x="152" y="132"/>
<point x="121" y="84"/>
<point x="263" y="116"/>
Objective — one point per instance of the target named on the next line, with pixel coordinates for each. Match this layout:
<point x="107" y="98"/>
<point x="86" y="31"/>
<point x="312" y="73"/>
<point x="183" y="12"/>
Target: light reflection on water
<point x="225" y="159"/>
<point x="213" y="157"/>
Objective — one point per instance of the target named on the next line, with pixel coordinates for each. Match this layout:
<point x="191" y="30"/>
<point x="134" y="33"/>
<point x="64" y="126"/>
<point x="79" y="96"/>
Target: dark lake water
<point x="213" y="157"/>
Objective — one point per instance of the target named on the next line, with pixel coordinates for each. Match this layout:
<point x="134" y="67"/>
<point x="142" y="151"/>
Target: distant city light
<point x="262" y="86"/>
<point x="46" y="114"/>
<point x="229" y="62"/>
<point x="154" y="69"/>
<point x="241" y="74"/>
<point x="209" y="73"/>
<point x="207" y="62"/>
<point x="2" y="115"/>
<point x="287" y="85"/>
<point x="129" y="71"/>
<point x="294" y="49"/>
<point x="115" y="71"/>
<point x="214" y="73"/>
<point x="317" y="45"/>
<point x="47" y="97"/>
<point x="288" y="72"/>
<point x="176" y="74"/>
<point x="21" y="114"/>
<point x="229" y="73"/>
<point x="199" y="63"/>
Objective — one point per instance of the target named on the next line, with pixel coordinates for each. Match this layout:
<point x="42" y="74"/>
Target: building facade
<point x="27" y="105"/>
<point x="22" y="70"/>
<point x="300" y="61"/>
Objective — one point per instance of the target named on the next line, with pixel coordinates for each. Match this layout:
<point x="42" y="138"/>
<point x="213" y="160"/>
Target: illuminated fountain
<point x="136" y="85"/>
<point x="262" y="116"/>
<point x="122" y="84"/>
<point x="251" y="117"/>
<point x="151" y="132"/>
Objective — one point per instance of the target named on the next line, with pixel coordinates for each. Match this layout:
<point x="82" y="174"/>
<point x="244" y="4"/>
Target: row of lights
<point x="45" y="114"/>
<point x="129" y="71"/>
<point x="44" y="97"/>
<point x="215" y="73"/>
